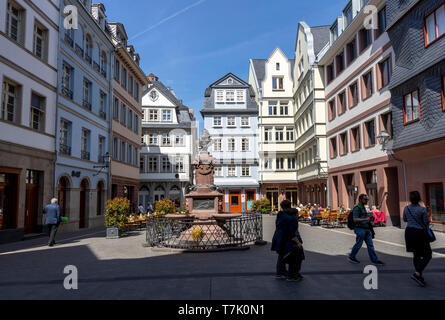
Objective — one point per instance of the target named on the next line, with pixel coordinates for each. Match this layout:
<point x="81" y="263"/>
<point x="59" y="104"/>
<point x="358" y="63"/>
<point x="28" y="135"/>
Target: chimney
<point x="152" y="78"/>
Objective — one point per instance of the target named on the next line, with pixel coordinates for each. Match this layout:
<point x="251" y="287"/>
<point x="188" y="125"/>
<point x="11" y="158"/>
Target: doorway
<point x="83" y="209"/>
<point x="392" y="198"/>
<point x="32" y="201"/>
<point x="272" y="196"/>
<point x="435" y="202"/>
<point x="8" y="200"/>
<point x="250" y="198"/>
<point x="235" y="201"/>
<point x="62" y="196"/>
<point x="100" y="198"/>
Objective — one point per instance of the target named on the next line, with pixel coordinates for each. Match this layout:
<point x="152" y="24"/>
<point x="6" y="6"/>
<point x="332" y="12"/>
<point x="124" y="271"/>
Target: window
<point x="14" y="24"/>
<point x="130" y="84"/>
<point x="332" y="111"/>
<point x="231" y="171"/>
<point x="342" y="103"/>
<point x="353" y="95"/>
<point x="411" y="107"/>
<point x="355" y="139"/>
<point x="333" y="147"/>
<point x="86" y="102"/>
<point x="179" y="164"/>
<point x="245" y="171"/>
<point x="365" y="39"/>
<point x="290" y="134"/>
<point x="166" y="139"/>
<point x="40" y="42"/>
<point x="88" y="49"/>
<point x="239" y="96"/>
<point x="351" y="51"/>
<point x="115" y="149"/>
<point x="273" y="109"/>
<point x="65" y="137"/>
<point x="284" y="109"/>
<point x="166" y="115"/>
<point x="130" y="154"/>
<point x="231" y="121"/>
<point x="334" y="32"/>
<point x="37" y="115"/>
<point x="103" y="64"/>
<point x="347" y="13"/>
<point x="10" y="102"/>
<point x="268" y="135"/>
<point x="244" y="144"/>
<point x="130" y="119"/>
<point x="85" y="144"/>
<point x="117" y="71"/>
<point x="367" y="85"/>
<point x="136" y="91"/>
<point x="268" y="164"/>
<point x="218" y="171"/>
<point x="217" y="145"/>
<point x="219" y="96"/>
<point x="230" y="96"/>
<point x="330" y="73"/>
<point x="67" y="74"/>
<point x="152" y="164"/>
<point x="381" y="21"/>
<point x="370" y="138"/>
<point x="153" y="115"/>
<point x="279" y="134"/>
<point x="386" y="123"/>
<point x="384" y="69"/>
<point x="217" y="121"/>
<point x="165" y="165"/>
<point x="124" y="78"/>
<point x="136" y="124"/>
<point x="244" y="121"/>
<point x="101" y="150"/>
<point x="277" y="83"/>
<point x="103" y="105"/>
<point x="231" y="145"/>
<point x="291" y="163"/>
<point x="343" y="144"/>
<point x="443" y="93"/>
<point x="435" y="25"/>
<point x="280" y="164"/>
<point x="340" y="60"/>
<point x="179" y="140"/>
<point x="153" y="139"/>
<point x="124" y="114"/>
<point x="277" y="67"/>
<point x="116" y="109"/>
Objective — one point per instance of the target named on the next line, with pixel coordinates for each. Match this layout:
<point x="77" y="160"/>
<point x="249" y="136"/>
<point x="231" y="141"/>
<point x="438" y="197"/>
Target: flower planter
<point x="113" y="233"/>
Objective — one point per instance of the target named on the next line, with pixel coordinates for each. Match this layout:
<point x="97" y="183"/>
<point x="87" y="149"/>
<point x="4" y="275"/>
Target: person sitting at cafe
<point x="315" y="216"/>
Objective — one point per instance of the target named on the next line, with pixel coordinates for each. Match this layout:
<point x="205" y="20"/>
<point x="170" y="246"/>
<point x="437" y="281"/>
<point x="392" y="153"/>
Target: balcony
<point x="86" y="104"/>
<point x="79" y="50"/>
<point x="85" y="155"/>
<point x="69" y="40"/>
<point x="103" y="115"/>
<point x="67" y="93"/>
<point x="64" y="149"/>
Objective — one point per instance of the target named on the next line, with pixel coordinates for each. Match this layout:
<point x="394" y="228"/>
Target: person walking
<point x="52" y="220"/>
<point x="416" y="236"/>
<point x="285" y="239"/>
<point x="141" y="209"/>
<point x="363" y="231"/>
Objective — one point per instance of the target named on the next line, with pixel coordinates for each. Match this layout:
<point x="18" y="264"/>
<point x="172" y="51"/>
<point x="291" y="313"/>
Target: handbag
<point x="430" y="234"/>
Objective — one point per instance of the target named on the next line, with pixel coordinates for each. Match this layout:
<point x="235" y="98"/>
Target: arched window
<point x="88" y="48"/>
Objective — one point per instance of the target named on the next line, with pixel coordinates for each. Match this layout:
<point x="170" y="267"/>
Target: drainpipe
<point x="56" y="122"/>
<point x="110" y="121"/>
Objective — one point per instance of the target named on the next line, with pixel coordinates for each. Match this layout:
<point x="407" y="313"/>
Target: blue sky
<point x="189" y="44"/>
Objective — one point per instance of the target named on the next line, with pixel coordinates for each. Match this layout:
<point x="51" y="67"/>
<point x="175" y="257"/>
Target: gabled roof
<point x="321" y="37"/>
<point x="158" y="85"/>
<point x="229" y="75"/>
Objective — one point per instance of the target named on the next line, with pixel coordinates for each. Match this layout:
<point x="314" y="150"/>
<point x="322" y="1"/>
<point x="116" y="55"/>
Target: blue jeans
<point x="364" y="235"/>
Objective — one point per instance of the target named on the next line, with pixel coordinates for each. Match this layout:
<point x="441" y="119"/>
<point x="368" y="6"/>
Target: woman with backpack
<point x="418" y="236"/>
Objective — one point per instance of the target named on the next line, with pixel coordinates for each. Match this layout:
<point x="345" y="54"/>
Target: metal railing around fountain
<point x="202" y="235"/>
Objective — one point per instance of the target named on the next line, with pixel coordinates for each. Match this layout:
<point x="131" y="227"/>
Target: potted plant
<point x="261" y="206"/>
<point x="116" y="214"/>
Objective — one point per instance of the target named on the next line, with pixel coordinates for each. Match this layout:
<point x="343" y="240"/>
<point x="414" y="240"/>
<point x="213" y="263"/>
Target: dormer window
<point x="347" y="13"/>
<point x="334" y="32"/>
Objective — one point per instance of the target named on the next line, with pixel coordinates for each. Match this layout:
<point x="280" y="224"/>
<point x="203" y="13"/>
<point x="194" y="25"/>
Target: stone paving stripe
<point x="206" y="275"/>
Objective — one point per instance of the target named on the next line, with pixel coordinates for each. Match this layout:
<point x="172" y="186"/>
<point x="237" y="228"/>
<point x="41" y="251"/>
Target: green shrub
<point x="116" y="213"/>
<point x="165" y="206"/>
<point x="262" y="206"/>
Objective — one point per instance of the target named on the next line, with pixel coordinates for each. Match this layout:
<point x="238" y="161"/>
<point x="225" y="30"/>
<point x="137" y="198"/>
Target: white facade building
<point x="29" y="32"/>
<point x="231" y="117"/>
<point x="169" y="145"/>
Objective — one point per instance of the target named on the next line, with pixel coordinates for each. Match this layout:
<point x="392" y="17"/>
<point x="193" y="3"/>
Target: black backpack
<point x="351" y="223"/>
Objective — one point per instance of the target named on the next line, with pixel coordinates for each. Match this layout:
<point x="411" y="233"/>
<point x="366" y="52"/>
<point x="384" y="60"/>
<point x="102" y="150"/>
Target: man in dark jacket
<point x="52" y="220"/>
<point x="287" y="243"/>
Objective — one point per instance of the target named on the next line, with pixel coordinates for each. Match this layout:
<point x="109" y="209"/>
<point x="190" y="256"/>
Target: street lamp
<point x="106" y="163"/>
<point x="383" y="138"/>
